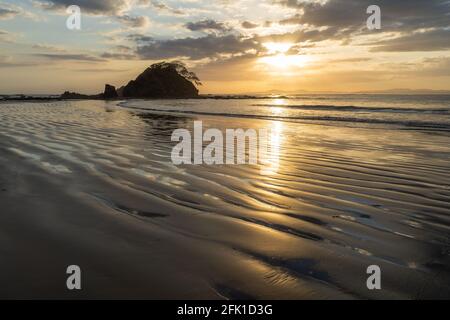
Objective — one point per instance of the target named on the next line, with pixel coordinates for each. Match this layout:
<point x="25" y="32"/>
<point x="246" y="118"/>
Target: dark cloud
<point x="69" y="57"/>
<point x="134" y="22"/>
<point x="207" y="25"/>
<point x="295" y="19"/>
<point x="197" y="48"/>
<point x="348" y="17"/>
<point x="249" y="25"/>
<point x="139" y="38"/>
<point x="17" y="64"/>
<point x="411" y="14"/>
<point x="215" y="46"/>
<point x="101" y="7"/>
<point x="163" y="7"/>
<point x="114" y="8"/>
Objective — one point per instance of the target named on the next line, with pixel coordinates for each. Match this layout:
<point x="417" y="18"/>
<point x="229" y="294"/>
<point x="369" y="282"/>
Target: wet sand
<point x="91" y="184"/>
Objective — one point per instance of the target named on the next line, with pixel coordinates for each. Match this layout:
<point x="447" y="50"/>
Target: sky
<point x="234" y="46"/>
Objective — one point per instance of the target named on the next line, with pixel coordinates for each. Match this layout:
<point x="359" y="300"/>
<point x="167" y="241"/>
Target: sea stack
<point x="162" y="81"/>
<point x="110" y="92"/>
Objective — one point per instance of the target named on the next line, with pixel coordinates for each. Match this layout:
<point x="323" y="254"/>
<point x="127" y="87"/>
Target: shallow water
<point x="403" y="111"/>
<point x="339" y="195"/>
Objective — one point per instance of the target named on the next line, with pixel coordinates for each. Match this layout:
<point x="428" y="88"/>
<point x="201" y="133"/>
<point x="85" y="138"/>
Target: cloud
<point x="11" y="11"/>
<point x="432" y="40"/>
<point x="348" y="18"/>
<point x="197" y="48"/>
<point x="207" y="25"/>
<point x="163" y="7"/>
<point x="98" y="7"/>
<point x="17" y="64"/>
<point x="352" y="13"/>
<point x="134" y="22"/>
<point x="249" y="25"/>
<point x="112" y="8"/>
<point x="305" y="37"/>
<point x="69" y="57"/>
<point x="47" y="47"/>
<point x="123" y="49"/>
<point x="8" y="13"/>
<point x="119" y="56"/>
<point x="139" y="38"/>
<point x="121" y="52"/>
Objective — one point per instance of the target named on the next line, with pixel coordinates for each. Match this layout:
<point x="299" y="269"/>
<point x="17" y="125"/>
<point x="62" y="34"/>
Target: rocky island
<point x="164" y="80"/>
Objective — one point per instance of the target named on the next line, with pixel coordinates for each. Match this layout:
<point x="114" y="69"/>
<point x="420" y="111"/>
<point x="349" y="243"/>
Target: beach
<point x="354" y="181"/>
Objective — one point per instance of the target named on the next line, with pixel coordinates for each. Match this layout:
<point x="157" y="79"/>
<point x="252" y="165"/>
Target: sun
<point x="277" y="56"/>
<point x="277" y="47"/>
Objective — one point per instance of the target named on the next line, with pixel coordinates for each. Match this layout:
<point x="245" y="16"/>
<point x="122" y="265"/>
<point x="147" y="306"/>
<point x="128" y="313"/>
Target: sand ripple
<point x="342" y="198"/>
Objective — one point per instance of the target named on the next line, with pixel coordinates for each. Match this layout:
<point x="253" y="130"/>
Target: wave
<point x="429" y="125"/>
<point x="357" y="108"/>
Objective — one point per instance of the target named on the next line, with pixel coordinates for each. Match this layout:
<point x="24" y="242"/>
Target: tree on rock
<point x="164" y="80"/>
<point x="182" y="70"/>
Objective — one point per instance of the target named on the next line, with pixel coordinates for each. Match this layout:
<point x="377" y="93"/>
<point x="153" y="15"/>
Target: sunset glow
<point x="277" y="47"/>
<point x="282" y="62"/>
<point x="234" y="46"/>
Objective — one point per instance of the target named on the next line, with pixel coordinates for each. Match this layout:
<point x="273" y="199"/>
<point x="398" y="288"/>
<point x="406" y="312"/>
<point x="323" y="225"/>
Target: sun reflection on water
<point x="271" y="164"/>
<point x="277" y="106"/>
<point x="279" y="102"/>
